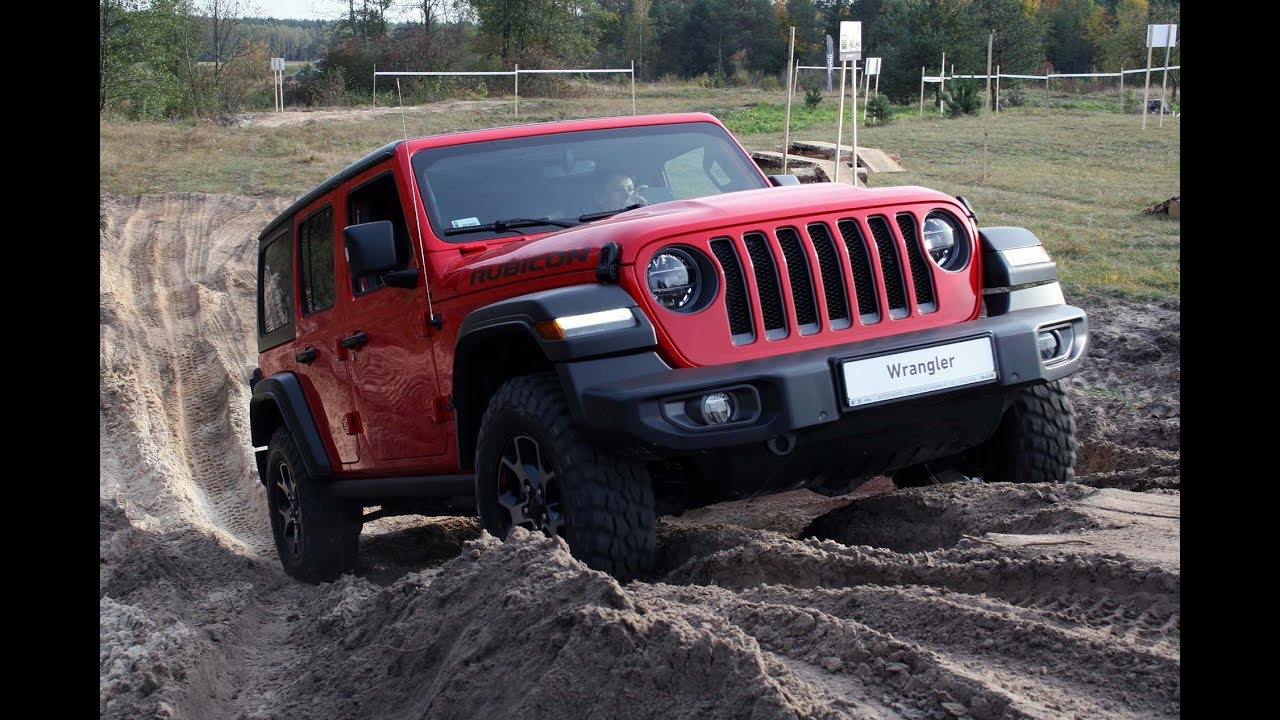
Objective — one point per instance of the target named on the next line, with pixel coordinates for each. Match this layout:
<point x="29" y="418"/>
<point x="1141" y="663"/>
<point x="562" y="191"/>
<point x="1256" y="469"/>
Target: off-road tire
<point x="323" y="542"/>
<point x="606" y="501"/>
<point x="1036" y="440"/>
<point x="1034" y="443"/>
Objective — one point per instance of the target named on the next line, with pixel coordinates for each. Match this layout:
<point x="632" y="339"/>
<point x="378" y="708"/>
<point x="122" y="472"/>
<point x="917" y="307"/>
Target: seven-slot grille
<point x="786" y="253"/>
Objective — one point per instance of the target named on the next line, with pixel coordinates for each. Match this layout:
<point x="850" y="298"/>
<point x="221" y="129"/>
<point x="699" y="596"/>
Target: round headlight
<point x="944" y="240"/>
<point x="674" y="279"/>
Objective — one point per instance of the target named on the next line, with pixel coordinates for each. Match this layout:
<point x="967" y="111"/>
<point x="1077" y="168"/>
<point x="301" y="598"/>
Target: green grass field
<point x="1077" y="177"/>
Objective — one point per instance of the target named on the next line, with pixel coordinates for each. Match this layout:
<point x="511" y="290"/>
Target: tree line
<point x="182" y="58"/>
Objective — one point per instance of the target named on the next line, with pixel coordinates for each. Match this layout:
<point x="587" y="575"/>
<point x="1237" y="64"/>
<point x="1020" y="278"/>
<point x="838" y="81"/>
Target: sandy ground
<point x="968" y="601"/>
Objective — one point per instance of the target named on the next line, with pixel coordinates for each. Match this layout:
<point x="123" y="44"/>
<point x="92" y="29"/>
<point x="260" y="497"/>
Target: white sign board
<point x="850" y="40"/>
<point x="1159" y="36"/>
<point x="871" y="66"/>
<point x="277" y="64"/>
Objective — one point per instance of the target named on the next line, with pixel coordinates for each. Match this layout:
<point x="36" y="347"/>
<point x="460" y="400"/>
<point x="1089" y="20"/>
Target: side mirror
<point x="371" y="248"/>
<point x="780" y="180"/>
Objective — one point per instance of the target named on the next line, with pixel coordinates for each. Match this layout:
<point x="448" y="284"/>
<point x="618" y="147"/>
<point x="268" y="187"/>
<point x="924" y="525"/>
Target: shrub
<point x="879" y="110"/>
<point x="331" y="89"/>
<point x="714" y="80"/>
<point x="812" y="96"/>
<point x="1014" y="97"/>
<point x="962" y="99"/>
<point x="1130" y="102"/>
<point x="769" y="83"/>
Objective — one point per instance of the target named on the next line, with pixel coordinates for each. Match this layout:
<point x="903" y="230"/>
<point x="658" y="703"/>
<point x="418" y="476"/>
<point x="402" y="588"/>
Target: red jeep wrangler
<point x="562" y="325"/>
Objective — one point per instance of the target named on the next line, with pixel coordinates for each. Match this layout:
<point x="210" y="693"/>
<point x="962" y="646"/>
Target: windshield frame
<point x="735" y="164"/>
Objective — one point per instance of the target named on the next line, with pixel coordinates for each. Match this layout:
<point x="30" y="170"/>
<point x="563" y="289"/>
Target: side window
<point x="373" y="201"/>
<point x="315" y="261"/>
<point x="686" y="176"/>
<point x="275" y="284"/>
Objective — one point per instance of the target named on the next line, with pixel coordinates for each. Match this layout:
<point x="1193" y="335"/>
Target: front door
<point x="393" y="372"/>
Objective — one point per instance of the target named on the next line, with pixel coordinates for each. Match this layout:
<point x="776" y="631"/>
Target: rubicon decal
<point x="497" y="271"/>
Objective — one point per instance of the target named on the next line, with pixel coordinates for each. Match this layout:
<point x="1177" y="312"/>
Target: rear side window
<point x="315" y="261"/>
<point x="275" y="290"/>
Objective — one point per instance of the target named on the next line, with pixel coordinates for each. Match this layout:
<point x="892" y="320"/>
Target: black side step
<point x="416" y="486"/>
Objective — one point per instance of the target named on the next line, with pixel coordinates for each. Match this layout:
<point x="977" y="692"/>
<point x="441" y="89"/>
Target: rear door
<point x="319" y="358"/>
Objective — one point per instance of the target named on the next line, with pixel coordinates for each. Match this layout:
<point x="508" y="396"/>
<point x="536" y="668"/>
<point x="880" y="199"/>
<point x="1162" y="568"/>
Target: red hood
<point x="577" y="248"/>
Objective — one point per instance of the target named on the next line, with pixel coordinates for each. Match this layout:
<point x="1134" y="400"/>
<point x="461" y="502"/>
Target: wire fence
<point x="514" y="74"/>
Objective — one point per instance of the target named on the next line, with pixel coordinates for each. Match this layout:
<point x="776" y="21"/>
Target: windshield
<point x="503" y="188"/>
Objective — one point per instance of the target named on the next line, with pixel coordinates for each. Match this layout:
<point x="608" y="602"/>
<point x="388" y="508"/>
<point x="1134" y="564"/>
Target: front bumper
<point x="622" y="399"/>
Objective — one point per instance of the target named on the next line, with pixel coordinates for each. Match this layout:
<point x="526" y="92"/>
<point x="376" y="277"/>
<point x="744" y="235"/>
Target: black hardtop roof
<point x="349" y="171"/>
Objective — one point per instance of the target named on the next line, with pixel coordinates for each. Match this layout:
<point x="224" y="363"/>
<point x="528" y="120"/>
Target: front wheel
<point x="1034" y="443"/>
<point x="1036" y="440"/>
<point x="534" y="469"/>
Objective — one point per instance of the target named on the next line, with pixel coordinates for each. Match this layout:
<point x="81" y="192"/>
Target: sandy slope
<point x="980" y="601"/>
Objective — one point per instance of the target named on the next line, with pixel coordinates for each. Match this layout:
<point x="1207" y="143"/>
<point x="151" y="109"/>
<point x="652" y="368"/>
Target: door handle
<point x="306" y="357"/>
<point x="354" y="341"/>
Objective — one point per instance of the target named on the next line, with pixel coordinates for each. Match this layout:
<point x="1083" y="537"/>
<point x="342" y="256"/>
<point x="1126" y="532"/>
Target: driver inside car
<point x="620" y="191"/>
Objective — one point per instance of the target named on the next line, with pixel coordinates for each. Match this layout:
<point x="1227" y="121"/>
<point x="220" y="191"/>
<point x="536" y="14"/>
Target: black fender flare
<point x="277" y="400"/>
<point x="523" y="311"/>
<point x="515" y="318"/>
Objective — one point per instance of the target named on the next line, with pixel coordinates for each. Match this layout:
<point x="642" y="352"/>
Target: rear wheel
<point x="1034" y="443"/>
<point x="535" y="470"/>
<point x="317" y="535"/>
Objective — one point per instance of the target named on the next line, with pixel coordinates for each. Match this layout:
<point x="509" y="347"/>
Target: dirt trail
<point x="974" y="601"/>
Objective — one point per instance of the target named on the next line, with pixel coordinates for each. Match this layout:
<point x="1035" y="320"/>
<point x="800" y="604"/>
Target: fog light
<point x="717" y="409"/>
<point x="1048" y="344"/>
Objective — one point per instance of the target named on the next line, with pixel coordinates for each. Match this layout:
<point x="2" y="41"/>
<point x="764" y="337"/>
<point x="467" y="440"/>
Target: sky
<point x="300" y="9"/>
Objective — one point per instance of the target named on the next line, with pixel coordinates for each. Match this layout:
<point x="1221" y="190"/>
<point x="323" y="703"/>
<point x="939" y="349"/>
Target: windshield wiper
<point x="509" y="224"/>
<point x="602" y="215"/>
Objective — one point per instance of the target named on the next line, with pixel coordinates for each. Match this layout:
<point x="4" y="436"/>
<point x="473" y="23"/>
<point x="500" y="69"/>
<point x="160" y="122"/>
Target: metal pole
<point x="997" y="89"/>
<point x="1164" y="82"/>
<point x="786" y="132"/>
<point x="986" y="113"/>
<point x="921" y="91"/>
<point x="840" y="122"/>
<point x="1121" y="88"/>
<point x="796" y="81"/>
<point x="866" y="93"/>
<point x="942" y="82"/>
<point x="1146" y="85"/>
<point x="633" y="83"/>
<point x="375" y="85"/>
<point x="517" y="91"/>
<point x="1046" y="88"/>
<point x="853" y="120"/>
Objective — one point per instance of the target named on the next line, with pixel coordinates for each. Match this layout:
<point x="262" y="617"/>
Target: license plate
<point x="939" y="367"/>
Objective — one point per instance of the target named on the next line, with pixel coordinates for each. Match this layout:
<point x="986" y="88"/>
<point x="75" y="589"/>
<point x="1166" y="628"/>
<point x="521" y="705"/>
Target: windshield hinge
<point x="607" y="268"/>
